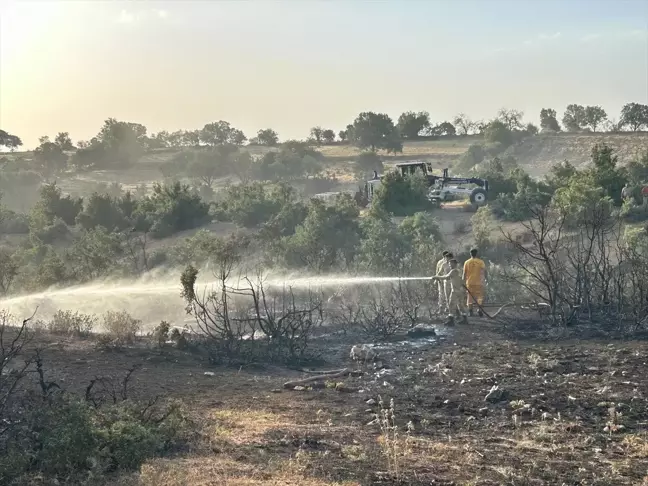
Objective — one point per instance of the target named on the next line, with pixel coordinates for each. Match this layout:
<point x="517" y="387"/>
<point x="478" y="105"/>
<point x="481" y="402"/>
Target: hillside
<point x="534" y="154"/>
<point x="537" y="154"/>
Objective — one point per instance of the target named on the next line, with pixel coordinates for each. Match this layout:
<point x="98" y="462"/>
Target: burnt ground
<point x="565" y="412"/>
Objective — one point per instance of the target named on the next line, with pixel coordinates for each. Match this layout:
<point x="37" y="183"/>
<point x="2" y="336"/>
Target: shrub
<point x="102" y="210"/>
<point x="65" y="439"/>
<point x="72" y="323"/>
<point x="403" y="196"/>
<point x="251" y="204"/>
<point x="50" y="233"/>
<point x="13" y="223"/>
<point x="171" y="208"/>
<point x="54" y="205"/>
<point x="121" y="326"/>
<point x="161" y="333"/>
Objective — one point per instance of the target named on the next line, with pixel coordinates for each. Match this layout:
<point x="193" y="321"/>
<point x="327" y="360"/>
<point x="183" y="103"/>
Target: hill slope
<point x="537" y="154"/>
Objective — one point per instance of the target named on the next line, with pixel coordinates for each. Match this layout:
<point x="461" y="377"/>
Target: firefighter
<point x="474" y="275"/>
<point x="626" y="193"/>
<point x="455" y="283"/>
<point x="442" y="268"/>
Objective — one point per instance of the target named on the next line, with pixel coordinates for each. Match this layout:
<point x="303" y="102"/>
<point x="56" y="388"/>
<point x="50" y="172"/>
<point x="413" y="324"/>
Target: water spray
<point x="160" y="299"/>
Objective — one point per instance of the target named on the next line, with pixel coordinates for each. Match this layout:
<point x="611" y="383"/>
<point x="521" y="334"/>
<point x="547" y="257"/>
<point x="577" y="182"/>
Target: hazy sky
<point x="290" y="65"/>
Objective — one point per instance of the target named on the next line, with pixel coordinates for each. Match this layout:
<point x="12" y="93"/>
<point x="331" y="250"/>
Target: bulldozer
<point x="442" y="188"/>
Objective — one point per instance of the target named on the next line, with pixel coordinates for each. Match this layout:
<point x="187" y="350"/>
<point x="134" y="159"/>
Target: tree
<point x="172" y="208"/>
<point x="267" y="137"/>
<point x="634" y="115"/>
<point x="548" y="120"/>
<point x="400" y="195"/>
<point x="594" y="115"/>
<point x="93" y="253"/>
<point x="342" y="134"/>
<point x="463" y="124"/>
<point x="64" y="141"/>
<point x="531" y="129"/>
<point x="411" y="124"/>
<point x="498" y="132"/>
<point x="207" y="166"/>
<point x="328" y="136"/>
<point x="444" y="129"/>
<point x="559" y="175"/>
<point x="574" y="118"/>
<point x="123" y="142"/>
<point x="49" y="158"/>
<point x="511" y="118"/>
<point x="316" y="134"/>
<point x="52" y="205"/>
<point x="327" y="238"/>
<point x="221" y="133"/>
<point x="376" y="131"/>
<point x="9" y="141"/>
<point x="483" y="223"/>
<point x="605" y="173"/>
<point x="102" y="210"/>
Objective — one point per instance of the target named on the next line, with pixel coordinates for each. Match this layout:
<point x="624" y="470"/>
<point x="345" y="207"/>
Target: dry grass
<point x="454" y="147"/>
<point x="225" y="471"/>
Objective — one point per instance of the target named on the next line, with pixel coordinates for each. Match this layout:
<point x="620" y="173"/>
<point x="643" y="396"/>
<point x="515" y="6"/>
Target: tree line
<point x="369" y="130"/>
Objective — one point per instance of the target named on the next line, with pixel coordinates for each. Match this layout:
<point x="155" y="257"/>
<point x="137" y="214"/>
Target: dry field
<point x="570" y="412"/>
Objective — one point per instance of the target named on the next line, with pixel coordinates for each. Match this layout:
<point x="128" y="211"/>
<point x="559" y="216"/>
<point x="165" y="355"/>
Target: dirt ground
<point x="566" y="412"/>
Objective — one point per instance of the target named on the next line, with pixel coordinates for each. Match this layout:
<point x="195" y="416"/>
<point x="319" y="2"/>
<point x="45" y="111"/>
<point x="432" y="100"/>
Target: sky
<point x="294" y="64"/>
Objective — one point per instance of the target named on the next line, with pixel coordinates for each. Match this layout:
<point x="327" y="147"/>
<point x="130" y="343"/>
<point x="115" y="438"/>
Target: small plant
<point x="161" y="333"/>
<point x="179" y="339"/>
<point x="121" y="326"/>
<point x="389" y="437"/>
<point x="614" y="421"/>
<point x="71" y="323"/>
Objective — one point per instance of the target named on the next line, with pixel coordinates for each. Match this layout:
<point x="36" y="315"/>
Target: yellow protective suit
<point x="474" y="270"/>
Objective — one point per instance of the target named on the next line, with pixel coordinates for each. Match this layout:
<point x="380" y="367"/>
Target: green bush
<point x="13" y="223"/>
<point x="102" y="210"/>
<point x="402" y="196"/>
<point x="327" y="238"/>
<point x="169" y="209"/>
<point x="53" y="205"/>
<point x="251" y="204"/>
<point x="64" y="439"/>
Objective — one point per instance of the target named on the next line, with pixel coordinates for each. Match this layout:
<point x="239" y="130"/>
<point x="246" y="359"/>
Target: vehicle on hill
<point x="442" y="188"/>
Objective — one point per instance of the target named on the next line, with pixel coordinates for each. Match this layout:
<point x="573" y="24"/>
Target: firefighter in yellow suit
<point x="474" y="276"/>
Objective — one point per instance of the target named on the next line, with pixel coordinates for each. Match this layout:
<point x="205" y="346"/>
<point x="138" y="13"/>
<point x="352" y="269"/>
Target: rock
<point x="299" y="388"/>
<point x="369" y="410"/>
<point x="276" y="390"/>
<point x="371" y="401"/>
<point x="341" y="387"/>
<point x="363" y="353"/>
<point x="421" y="331"/>
<point x="496" y="394"/>
<point x="210" y="373"/>
<point x="483" y="411"/>
<point x="384" y="372"/>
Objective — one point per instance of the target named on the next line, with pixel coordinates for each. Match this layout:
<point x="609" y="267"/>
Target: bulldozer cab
<point x="411" y="167"/>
